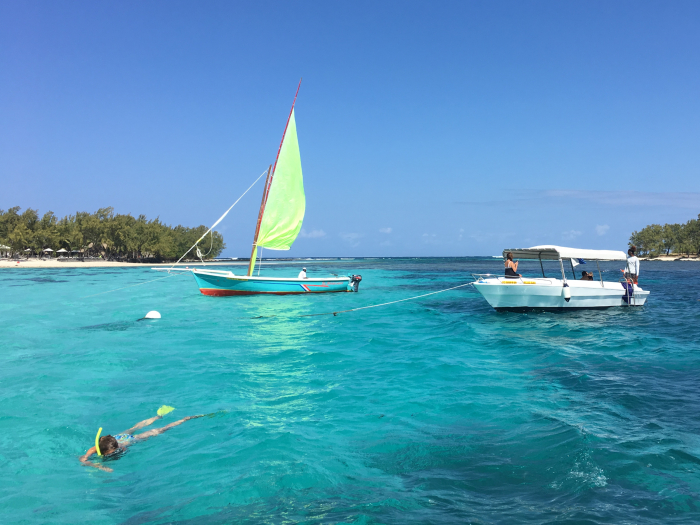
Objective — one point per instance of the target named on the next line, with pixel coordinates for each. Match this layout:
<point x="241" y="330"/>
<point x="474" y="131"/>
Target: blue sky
<point x="448" y="128"/>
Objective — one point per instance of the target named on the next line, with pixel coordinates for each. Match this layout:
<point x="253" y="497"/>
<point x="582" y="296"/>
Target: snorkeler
<point x="106" y="445"/>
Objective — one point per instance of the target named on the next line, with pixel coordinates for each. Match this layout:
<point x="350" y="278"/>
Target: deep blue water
<point x="438" y="410"/>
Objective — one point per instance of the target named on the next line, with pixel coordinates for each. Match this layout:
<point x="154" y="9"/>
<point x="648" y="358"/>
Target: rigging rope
<point x="211" y="247"/>
<point x="361" y="307"/>
<point x="217" y="222"/>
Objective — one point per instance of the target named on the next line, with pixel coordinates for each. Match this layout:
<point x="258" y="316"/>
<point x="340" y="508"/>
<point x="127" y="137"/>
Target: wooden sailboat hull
<point x="221" y="283"/>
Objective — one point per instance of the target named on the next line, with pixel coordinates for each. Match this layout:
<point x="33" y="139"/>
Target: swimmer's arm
<point x="84" y="460"/>
<point x="156" y="431"/>
<point x="142" y="424"/>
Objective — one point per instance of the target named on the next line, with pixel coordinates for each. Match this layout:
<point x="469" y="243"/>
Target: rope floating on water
<point x="361" y="307"/>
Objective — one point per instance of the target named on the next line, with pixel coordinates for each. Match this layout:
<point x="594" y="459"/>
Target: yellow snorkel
<point x="97" y="442"/>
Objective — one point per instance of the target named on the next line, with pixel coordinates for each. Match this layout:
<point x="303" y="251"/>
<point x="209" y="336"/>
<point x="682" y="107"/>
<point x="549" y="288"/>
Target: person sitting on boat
<point x="109" y="445"/>
<point x="586" y="276"/>
<point x="511" y="267"/>
<point x="632" y="270"/>
<point x="302" y="274"/>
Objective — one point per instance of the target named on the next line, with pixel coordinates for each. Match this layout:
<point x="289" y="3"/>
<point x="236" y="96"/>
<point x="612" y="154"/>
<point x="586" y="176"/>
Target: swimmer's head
<point x="108" y="445"/>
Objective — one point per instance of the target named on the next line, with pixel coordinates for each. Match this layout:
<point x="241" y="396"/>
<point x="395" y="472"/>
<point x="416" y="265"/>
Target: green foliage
<point x="113" y="236"/>
<point x="669" y="238"/>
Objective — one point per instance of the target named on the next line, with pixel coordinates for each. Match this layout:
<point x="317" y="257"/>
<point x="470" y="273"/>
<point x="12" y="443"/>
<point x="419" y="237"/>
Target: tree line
<point x="103" y="233"/>
<point x="656" y="239"/>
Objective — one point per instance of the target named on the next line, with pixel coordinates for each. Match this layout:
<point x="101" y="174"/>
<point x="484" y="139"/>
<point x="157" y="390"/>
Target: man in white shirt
<point x="302" y="274"/>
<point x="632" y="271"/>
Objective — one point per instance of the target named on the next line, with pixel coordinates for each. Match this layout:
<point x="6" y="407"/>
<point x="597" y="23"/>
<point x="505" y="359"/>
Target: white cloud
<point x="352" y="238"/>
<point x="602" y="230"/>
<point x="313" y="234"/>
<point x="571" y="234"/>
<point x="384" y="230"/>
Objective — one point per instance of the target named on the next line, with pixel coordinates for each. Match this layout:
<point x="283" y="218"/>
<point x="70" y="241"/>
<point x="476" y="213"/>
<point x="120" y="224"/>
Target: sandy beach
<point x="97" y="263"/>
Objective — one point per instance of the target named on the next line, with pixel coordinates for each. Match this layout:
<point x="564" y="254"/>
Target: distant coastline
<point x="53" y="263"/>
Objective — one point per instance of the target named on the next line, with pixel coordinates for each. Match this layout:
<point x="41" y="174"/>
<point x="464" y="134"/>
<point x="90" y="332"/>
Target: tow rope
<point x="361" y="307"/>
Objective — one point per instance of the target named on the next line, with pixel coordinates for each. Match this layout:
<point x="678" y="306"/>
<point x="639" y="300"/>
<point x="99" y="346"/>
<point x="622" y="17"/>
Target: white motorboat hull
<point x="523" y="294"/>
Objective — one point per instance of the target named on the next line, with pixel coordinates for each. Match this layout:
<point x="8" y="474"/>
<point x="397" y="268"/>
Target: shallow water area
<point x="438" y="410"/>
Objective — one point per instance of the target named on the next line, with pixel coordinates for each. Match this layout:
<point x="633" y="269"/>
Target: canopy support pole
<point x="539" y="256"/>
<point x="600" y="274"/>
<point x="563" y="275"/>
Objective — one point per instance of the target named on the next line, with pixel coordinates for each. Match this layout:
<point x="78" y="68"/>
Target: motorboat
<point x="526" y="293"/>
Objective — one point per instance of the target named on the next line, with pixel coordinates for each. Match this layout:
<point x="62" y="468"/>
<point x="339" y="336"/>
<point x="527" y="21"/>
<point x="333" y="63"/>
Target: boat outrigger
<point x="279" y="223"/>
<point x="554" y="294"/>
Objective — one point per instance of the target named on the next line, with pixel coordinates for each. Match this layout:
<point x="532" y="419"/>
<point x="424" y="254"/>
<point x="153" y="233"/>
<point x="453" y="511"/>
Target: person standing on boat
<point x="302" y="274"/>
<point x="632" y="271"/>
<point x="511" y="267"/>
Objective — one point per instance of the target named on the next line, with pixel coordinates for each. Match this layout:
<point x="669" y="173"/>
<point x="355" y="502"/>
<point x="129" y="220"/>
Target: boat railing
<point x="481" y="277"/>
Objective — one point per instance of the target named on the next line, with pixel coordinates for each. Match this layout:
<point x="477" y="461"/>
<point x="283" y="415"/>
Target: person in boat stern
<point x="511" y="267"/>
<point x="632" y="270"/>
<point x="302" y="274"/>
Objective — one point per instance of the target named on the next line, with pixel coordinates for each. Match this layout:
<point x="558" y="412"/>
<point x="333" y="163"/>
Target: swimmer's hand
<point x="84" y="461"/>
<point x="101" y="467"/>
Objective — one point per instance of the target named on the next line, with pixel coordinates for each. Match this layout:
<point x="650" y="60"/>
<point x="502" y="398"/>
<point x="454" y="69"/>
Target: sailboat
<point x="279" y="223"/>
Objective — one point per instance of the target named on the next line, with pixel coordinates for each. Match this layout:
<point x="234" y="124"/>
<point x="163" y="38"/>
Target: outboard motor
<point x="355" y="282"/>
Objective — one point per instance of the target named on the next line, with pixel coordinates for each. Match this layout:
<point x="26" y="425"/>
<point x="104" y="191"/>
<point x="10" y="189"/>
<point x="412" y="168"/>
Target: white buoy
<point x="152" y="315"/>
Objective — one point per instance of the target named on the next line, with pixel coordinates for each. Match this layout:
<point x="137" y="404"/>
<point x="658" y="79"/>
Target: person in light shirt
<point x="302" y="274"/>
<point x="632" y="270"/>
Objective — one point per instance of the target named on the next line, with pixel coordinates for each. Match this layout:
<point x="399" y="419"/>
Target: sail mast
<point x="251" y="265"/>
<point x="266" y="191"/>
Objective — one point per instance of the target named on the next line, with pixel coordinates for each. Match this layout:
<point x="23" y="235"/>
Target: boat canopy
<point x="554" y="253"/>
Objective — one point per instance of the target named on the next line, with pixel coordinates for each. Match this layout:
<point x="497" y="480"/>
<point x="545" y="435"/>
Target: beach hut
<point x="62" y="251"/>
<point x="4" y="250"/>
<point x="48" y="251"/>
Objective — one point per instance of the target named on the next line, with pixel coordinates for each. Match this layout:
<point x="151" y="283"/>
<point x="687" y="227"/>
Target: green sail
<point x="286" y="203"/>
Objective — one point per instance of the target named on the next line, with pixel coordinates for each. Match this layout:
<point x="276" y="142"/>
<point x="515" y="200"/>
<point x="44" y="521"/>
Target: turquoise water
<point x="438" y="410"/>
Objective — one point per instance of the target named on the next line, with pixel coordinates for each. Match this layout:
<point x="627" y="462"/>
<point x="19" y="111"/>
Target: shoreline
<point x="53" y="263"/>
<point x="96" y="263"/>
<point x="694" y="258"/>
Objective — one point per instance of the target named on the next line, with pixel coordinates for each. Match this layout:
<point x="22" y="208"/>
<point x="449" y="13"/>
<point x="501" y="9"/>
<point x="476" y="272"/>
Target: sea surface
<point x="435" y="410"/>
